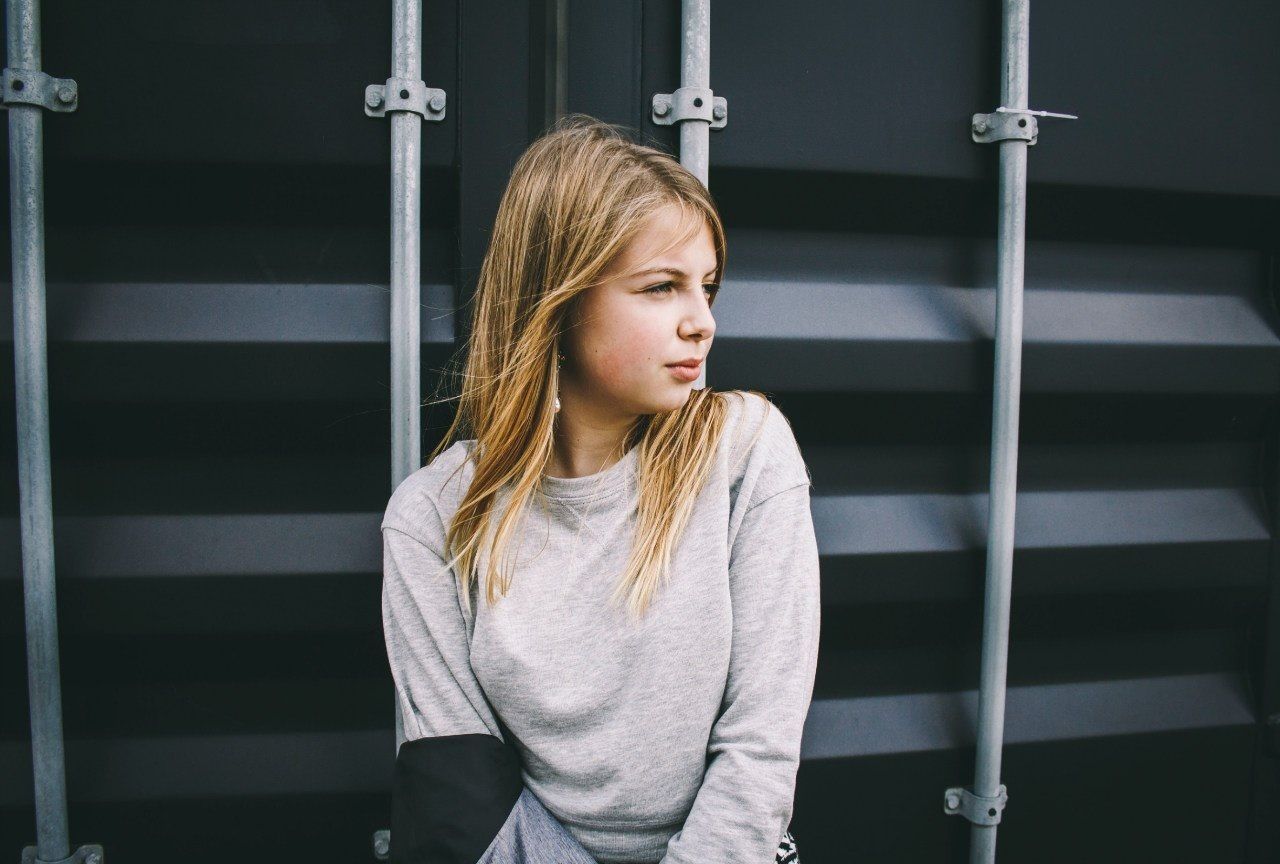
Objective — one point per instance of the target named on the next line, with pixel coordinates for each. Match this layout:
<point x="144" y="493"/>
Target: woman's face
<point x="640" y="319"/>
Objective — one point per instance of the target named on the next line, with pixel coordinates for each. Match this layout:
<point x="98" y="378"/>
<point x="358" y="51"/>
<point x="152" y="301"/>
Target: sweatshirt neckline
<point x="593" y="486"/>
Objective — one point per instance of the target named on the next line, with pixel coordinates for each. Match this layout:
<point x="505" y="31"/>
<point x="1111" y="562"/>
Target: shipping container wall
<point x="218" y="298"/>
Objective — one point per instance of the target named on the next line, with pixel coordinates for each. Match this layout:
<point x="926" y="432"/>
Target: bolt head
<point x="373" y="99"/>
<point x="437" y="102"/>
<point x="979" y="126"/>
<point x="718" y="112"/>
<point x="66" y="95"/>
<point x="953" y="801"/>
<point x="93" y="858"/>
<point x="381" y="846"/>
<point x="662" y="109"/>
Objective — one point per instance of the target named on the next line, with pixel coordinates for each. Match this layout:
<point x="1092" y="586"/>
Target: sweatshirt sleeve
<point x="427" y="645"/>
<point x="745" y="802"/>
<point x="458" y="795"/>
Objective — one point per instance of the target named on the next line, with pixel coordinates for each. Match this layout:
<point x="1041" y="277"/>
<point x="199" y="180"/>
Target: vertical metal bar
<point x="406" y="210"/>
<point x="553" y="82"/>
<point x="695" y="71"/>
<point x="1004" y="430"/>
<point x="26" y="209"/>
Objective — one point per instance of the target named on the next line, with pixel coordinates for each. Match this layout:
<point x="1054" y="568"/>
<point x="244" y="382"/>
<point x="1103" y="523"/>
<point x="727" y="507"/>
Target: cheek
<point x="626" y="353"/>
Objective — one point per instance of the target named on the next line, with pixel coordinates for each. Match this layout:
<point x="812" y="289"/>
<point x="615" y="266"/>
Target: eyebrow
<point x="670" y="271"/>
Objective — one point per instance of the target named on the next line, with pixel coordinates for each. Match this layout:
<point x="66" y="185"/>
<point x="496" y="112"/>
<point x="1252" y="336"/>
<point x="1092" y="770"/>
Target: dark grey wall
<point x="218" y="301"/>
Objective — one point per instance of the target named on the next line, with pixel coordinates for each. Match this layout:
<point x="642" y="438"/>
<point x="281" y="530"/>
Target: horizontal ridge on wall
<point x="120" y="769"/>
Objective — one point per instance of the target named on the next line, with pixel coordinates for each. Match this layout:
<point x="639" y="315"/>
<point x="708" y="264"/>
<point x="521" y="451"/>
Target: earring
<point x="559" y="365"/>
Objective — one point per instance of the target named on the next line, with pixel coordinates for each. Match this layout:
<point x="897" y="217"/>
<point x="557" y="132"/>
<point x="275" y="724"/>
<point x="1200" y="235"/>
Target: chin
<point x="676" y="398"/>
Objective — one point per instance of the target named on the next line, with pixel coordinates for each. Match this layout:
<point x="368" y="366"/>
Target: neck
<point x="587" y="442"/>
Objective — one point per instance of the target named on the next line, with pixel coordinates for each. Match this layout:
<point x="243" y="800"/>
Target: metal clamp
<point x="403" y="94"/>
<point x="87" y="854"/>
<point x="1010" y="124"/>
<point x="975" y="808"/>
<point x="690" y="103"/>
<point x="31" y="87"/>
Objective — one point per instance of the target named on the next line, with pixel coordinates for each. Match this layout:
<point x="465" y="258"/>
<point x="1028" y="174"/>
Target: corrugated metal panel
<point x="861" y="291"/>
<point x="218" y="375"/>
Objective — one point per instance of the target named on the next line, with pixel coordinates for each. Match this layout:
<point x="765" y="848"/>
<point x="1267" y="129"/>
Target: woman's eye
<point x="711" y="288"/>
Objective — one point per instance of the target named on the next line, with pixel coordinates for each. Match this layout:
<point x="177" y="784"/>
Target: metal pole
<point x="1014" y="127"/>
<point x="694" y="107"/>
<point x="406" y="264"/>
<point x="407" y="101"/>
<point x="27" y="92"/>
<point x="695" y="71"/>
<point x="26" y="209"/>
<point x="1011" y="235"/>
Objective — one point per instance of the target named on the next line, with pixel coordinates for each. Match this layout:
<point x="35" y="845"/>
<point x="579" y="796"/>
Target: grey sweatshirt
<point x="672" y="738"/>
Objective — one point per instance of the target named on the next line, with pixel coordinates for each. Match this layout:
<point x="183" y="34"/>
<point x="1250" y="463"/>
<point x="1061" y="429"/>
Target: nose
<point x="699" y="323"/>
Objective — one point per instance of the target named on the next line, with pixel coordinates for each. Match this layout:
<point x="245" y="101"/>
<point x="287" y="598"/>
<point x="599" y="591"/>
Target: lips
<point x="686" y="365"/>
<point x="684" y="372"/>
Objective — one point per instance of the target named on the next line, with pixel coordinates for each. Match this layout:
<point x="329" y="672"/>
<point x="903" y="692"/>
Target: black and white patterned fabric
<point x="787" y="853"/>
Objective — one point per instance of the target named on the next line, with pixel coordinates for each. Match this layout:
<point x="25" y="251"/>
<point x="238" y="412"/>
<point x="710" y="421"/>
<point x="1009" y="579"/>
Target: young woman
<point x="615" y="573"/>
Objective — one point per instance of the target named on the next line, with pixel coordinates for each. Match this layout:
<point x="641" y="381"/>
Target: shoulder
<point x="755" y="429"/>
<point x="418" y="502"/>
<point x="763" y="456"/>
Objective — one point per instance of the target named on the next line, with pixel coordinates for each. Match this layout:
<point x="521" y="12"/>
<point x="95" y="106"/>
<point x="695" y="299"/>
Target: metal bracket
<point x="88" y="854"/>
<point x="382" y="843"/>
<point x="403" y="94"/>
<point x="975" y="808"/>
<point x="31" y="87"/>
<point x="690" y="103"/>
<point x="1010" y="124"/>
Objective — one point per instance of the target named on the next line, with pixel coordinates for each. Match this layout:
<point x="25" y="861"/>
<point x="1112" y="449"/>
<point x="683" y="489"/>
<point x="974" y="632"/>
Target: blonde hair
<point x="575" y="199"/>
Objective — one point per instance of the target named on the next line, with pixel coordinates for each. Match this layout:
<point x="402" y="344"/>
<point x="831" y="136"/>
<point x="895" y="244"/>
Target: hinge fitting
<point x="402" y="94"/>
<point x="31" y="87"/>
<point x="690" y="103"/>
<point x="88" y="854"/>
<point x="975" y="808"/>
<point x="1010" y="124"/>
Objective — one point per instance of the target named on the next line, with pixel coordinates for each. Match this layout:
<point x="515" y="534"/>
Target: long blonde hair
<point x="575" y="198"/>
